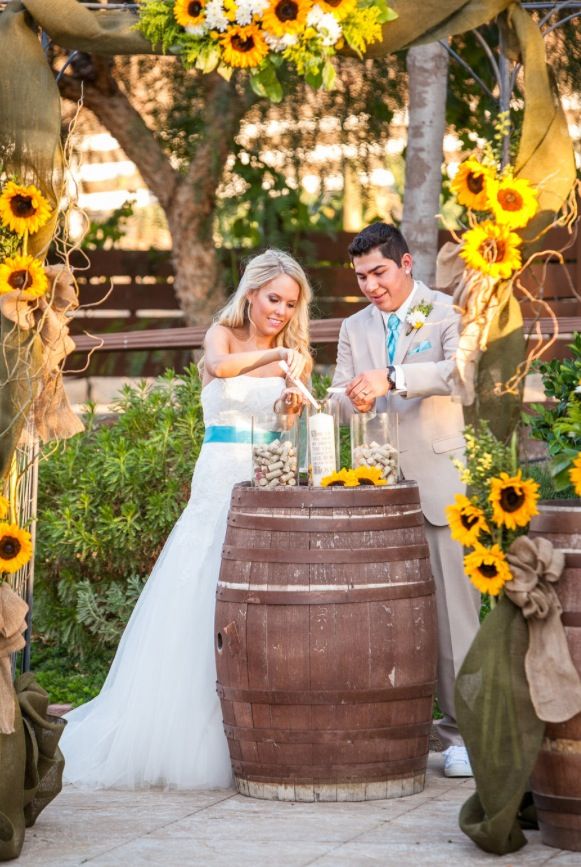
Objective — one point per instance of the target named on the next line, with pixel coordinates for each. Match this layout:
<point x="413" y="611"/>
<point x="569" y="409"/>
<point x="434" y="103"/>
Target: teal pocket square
<point x="421" y="347"/>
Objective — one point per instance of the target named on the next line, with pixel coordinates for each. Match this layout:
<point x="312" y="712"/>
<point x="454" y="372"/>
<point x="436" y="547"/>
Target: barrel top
<point x="403" y="493"/>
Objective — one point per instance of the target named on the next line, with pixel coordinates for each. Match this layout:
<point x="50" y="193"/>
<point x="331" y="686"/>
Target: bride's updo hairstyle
<point x="259" y="271"/>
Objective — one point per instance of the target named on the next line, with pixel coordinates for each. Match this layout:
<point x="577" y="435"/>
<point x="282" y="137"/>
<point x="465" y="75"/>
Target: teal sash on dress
<point x="217" y="433"/>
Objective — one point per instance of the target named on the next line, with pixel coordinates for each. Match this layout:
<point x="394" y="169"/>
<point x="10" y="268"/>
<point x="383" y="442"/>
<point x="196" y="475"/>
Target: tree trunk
<point x="428" y="77"/>
<point x="189" y="199"/>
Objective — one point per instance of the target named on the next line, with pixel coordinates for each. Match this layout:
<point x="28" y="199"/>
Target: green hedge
<point x="108" y="499"/>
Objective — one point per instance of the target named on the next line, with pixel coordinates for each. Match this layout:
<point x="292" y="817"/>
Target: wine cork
<point x="274" y="464"/>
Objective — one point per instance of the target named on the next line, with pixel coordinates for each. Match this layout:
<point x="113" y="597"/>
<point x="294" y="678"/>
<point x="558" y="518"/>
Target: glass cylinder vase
<point x="374" y="443"/>
<point x="323" y="438"/>
<point x="274" y="439"/>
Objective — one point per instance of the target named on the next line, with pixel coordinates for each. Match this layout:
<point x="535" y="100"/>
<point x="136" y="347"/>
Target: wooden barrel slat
<point x="328" y="736"/>
<point x="325" y="642"/>
<point x="329" y="697"/>
<point x="347" y="596"/>
<point x="556" y="780"/>
<point x="325" y="524"/>
<point x="321" y="555"/>
<point x="403" y="494"/>
<point x="326" y="773"/>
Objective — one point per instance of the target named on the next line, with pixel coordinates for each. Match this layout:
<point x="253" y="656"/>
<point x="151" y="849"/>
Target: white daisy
<point x="216" y="17"/>
<point x="329" y="28"/>
<point x="244" y="12"/>
<point x="314" y="16"/>
<point x="416" y="319"/>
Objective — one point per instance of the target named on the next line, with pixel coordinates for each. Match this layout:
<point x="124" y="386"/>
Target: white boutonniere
<point x="418" y="316"/>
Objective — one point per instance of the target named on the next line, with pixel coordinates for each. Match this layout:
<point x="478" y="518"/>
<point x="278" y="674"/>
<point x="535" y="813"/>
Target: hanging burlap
<point x="31" y="763"/>
<point x="48" y="317"/>
<point x="554" y="683"/>
<point x="500" y="728"/>
<point x="13" y="612"/>
<point x="517" y="674"/>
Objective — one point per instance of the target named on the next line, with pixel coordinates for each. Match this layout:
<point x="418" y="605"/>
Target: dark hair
<point x="389" y="240"/>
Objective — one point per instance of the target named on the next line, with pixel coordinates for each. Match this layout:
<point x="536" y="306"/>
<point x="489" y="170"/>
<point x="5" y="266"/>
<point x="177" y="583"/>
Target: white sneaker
<point x="456" y="762"/>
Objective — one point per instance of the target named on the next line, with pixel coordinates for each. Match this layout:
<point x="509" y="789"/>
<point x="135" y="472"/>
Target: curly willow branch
<point x="541" y="345"/>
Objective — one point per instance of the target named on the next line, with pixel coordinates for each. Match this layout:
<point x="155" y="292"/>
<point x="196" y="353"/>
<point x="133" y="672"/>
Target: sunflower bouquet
<point x="497" y="204"/>
<point x="23" y="211"/>
<point x="260" y="35"/>
<point x="354" y="478"/>
<point x="499" y="508"/>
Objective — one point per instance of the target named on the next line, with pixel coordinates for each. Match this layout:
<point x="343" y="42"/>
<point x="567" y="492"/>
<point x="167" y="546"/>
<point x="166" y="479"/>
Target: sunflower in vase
<point x="498" y="508"/>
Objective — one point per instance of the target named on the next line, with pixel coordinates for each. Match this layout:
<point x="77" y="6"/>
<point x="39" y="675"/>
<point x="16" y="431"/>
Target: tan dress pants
<point x="458" y="608"/>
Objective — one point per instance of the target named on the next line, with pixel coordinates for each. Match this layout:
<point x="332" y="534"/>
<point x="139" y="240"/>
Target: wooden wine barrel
<point x="556" y="780"/>
<point x="326" y="642"/>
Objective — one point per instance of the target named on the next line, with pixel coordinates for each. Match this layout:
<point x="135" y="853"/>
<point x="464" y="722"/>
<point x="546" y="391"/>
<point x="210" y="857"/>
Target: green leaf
<point x="208" y="59"/>
<point x="225" y="71"/>
<point x="314" y="78"/>
<point x="329" y="75"/>
<point x="265" y="83"/>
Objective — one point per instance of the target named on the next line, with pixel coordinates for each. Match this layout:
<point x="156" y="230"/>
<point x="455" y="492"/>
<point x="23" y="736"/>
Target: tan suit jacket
<point x="430" y="420"/>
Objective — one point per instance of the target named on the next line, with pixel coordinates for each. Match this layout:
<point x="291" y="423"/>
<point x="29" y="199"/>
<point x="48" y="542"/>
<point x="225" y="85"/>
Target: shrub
<point x="558" y="423"/>
<point x="108" y="499"/>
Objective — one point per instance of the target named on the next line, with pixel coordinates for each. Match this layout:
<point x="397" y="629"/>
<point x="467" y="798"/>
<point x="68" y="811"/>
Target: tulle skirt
<point x="157" y="720"/>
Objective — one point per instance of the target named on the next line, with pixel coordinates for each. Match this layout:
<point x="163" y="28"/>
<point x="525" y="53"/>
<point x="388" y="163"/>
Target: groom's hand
<point x="366" y="387"/>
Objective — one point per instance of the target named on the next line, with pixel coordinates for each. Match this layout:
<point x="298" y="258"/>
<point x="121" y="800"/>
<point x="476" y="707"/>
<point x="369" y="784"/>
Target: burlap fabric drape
<point x="13" y="612"/>
<point x="517" y="674"/>
<point x="31" y="765"/>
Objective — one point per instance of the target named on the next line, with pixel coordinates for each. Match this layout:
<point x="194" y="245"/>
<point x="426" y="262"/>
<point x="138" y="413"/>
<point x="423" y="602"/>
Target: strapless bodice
<point x="238" y="398"/>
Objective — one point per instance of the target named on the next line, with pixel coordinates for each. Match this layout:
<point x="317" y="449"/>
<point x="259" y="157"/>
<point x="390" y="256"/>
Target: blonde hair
<point x="259" y="271"/>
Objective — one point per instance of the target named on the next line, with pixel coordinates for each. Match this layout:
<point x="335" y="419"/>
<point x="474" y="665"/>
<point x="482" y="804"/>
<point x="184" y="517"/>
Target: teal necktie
<point x="393" y="324"/>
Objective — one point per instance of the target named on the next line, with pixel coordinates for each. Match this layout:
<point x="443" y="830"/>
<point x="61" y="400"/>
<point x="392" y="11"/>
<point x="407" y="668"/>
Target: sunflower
<point x="513" y="499"/>
<point x="466" y="520"/>
<point x="23" y="209"/>
<point x="189" y="13"/>
<point x="286" y="16"/>
<point x="369" y="475"/>
<point x="470" y="183"/>
<point x="4" y="507"/>
<point x="513" y="201"/>
<point x="244" y="46"/>
<point x="488" y="569"/>
<point x="492" y="249"/>
<point x="24" y="273"/>
<point x="338" y="8"/>
<point x="575" y="474"/>
<point x="15" y="547"/>
<point x="343" y="479"/>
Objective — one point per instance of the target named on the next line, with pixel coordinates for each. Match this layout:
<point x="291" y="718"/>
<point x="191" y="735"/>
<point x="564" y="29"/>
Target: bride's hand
<point x="295" y="361"/>
<point x="290" y="401"/>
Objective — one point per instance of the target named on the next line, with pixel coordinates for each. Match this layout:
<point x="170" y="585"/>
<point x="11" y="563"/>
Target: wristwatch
<point x="391" y="375"/>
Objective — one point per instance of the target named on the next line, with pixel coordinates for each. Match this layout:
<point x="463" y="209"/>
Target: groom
<point x="397" y="354"/>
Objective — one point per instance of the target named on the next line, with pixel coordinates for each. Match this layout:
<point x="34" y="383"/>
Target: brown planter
<point x="556" y="780"/>
<point x="326" y="642"/>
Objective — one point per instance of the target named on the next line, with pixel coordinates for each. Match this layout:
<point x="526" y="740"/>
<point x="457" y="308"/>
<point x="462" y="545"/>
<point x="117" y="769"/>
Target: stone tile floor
<point x="131" y="829"/>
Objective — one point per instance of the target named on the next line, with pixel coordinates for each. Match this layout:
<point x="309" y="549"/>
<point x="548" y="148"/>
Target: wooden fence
<point x="142" y="328"/>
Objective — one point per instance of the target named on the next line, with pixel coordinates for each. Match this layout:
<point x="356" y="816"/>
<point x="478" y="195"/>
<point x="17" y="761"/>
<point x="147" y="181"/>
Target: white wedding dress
<point x="157" y="720"/>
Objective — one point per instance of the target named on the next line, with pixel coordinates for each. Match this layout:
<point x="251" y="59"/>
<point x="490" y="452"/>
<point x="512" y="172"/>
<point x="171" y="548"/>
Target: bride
<point x="157" y="720"/>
